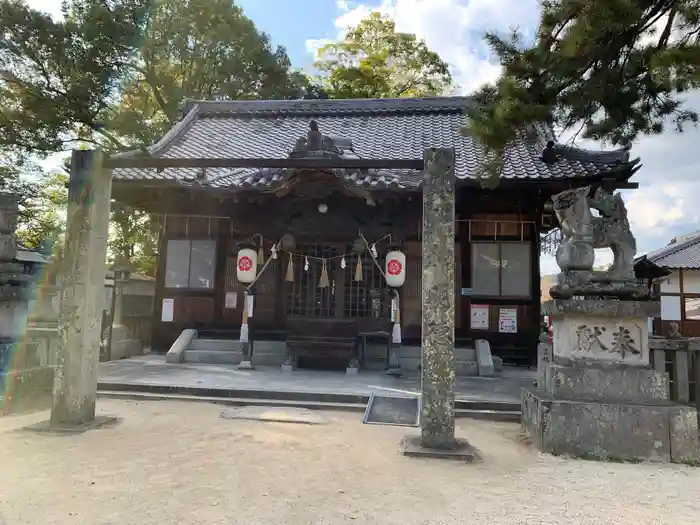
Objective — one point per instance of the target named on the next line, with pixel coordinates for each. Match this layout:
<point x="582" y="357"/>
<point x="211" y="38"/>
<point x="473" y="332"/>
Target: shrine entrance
<point x="331" y="295"/>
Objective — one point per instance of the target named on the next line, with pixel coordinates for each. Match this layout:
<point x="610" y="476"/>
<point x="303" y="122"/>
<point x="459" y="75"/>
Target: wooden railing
<point x="683" y="368"/>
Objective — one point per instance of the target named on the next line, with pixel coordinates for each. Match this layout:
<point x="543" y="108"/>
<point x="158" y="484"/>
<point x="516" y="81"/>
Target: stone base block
<point x="287" y="368"/>
<point x="46" y="427"/>
<point x="245" y="365"/>
<point x="662" y="432"/>
<point x="484" y="359"/>
<point x="352" y="371"/>
<point x="462" y="451"/>
<point x="617" y="383"/>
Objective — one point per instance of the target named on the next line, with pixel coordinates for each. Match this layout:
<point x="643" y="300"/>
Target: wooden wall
<point x="480" y="216"/>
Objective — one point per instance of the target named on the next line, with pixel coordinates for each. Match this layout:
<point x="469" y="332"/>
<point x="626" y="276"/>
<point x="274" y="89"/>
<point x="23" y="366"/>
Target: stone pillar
<point x="438" y="333"/>
<point x="82" y="291"/>
<point x="437" y="416"/>
<point x="119" y="290"/>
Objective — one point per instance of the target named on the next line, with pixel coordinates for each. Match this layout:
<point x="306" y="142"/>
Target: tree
<point x="57" y="77"/>
<point x="44" y="221"/>
<point x="134" y="238"/>
<point x="42" y="199"/>
<point x="609" y="69"/>
<point x="373" y="60"/>
<point x="198" y="49"/>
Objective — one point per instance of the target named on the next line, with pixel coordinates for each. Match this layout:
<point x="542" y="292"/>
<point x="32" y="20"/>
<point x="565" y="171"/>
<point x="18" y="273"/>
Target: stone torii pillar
<point x="437" y="416"/>
<point x="82" y="293"/>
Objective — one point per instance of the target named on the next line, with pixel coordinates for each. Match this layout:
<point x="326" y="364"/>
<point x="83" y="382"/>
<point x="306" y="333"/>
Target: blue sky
<point x="668" y="201"/>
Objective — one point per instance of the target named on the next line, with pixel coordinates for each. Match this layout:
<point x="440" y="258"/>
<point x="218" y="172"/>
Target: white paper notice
<point x="250" y="303"/>
<point x="231" y="300"/>
<point x="167" y="311"/>
<point x="480" y="317"/>
<point x="508" y="320"/>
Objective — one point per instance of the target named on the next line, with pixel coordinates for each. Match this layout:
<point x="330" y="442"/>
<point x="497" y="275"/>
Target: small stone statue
<point x="674" y="331"/>
<point x="314" y="138"/>
<point x="583" y="234"/>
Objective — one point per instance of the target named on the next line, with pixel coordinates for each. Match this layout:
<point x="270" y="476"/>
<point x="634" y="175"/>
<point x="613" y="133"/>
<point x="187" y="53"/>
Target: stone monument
<point x="597" y="396"/>
<point x="26" y="384"/>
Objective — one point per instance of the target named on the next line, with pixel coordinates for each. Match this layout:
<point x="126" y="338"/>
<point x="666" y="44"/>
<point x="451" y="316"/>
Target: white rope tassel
<point x="396" y="333"/>
<point x="343" y="264"/>
<point x="396" y="330"/>
<point x="274" y="251"/>
<point x="373" y="250"/>
<point x="306" y="264"/>
<point x="244" y="321"/>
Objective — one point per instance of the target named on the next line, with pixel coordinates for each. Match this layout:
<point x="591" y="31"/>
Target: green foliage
<point x="610" y="69"/>
<point x="44" y="222"/>
<point x="134" y="238"/>
<point x="42" y="200"/>
<point x="375" y="61"/>
<point x="198" y="49"/>
<point x="58" y="76"/>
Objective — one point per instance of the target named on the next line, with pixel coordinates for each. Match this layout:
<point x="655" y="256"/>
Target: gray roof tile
<point x="684" y="254"/>
<point x="378" y="129"/>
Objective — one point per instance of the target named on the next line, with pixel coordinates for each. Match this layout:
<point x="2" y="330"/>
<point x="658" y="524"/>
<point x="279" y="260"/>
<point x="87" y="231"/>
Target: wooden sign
<point x="479" y="317"/>
<point x="508" y="320"/>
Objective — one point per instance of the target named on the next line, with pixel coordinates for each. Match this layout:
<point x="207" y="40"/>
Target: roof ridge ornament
<point x="315" y="145"/>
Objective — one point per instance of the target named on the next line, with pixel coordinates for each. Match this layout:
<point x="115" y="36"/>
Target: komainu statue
<point x="584" y="233"/>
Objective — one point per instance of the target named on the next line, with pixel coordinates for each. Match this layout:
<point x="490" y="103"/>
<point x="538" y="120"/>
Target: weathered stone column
<point x="437" y="417"/>
<point x="82" y="291"/>
<point x="438" y="308"/>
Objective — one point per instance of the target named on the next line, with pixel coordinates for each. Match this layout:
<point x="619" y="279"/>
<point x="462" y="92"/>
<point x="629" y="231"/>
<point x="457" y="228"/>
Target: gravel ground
<point x="179" y="463"/>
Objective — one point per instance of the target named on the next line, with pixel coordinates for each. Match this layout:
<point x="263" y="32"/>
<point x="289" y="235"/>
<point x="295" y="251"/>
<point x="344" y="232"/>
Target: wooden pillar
<point x="82" y="291"/>
<point x="438" y="307"/>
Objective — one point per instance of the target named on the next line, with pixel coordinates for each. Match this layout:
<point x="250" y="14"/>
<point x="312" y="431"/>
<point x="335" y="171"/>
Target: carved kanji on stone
<point x="624" y="343"/>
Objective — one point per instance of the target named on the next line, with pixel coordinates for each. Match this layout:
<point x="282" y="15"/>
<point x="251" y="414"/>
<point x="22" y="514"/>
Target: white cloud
<point x="52" y="7"/>
<point x="452" y="28"/>
<point x="668" y="200"/>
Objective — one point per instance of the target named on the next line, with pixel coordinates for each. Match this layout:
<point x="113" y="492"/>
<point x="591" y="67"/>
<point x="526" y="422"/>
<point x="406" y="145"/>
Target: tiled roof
<point x="683" y="254"/>
<point x="377" y="128"/>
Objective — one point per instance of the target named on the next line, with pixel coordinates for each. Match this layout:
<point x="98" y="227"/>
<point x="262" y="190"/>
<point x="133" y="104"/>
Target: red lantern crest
<point x="245" y="263"/>
<point x="394" y="267"/>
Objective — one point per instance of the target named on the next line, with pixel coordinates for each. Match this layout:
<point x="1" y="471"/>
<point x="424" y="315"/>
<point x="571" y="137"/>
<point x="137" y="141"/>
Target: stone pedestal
<point x="597" y="396"/>
<point x="25" y="382"/>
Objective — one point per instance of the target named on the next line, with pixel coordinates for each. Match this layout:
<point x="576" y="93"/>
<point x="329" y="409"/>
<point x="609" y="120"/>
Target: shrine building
<point x="311" y="244"/>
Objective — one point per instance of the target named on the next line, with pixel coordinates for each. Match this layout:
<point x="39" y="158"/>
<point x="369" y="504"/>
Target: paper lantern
<point x="395" y="268"/>
<point x="247" y="265"/>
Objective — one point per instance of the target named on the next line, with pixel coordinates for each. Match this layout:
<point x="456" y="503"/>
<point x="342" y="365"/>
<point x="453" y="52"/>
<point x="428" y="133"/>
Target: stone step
<point x="474" y="412"/>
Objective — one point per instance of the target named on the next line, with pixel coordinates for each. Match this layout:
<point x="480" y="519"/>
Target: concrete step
<point x="232" y="401"/>
<point x="283" y="395"/>
<point x="234" y="345"/>
<point x="231" y="357"/>
<point x="414" y="352"/>
<point x="471" y="413"/>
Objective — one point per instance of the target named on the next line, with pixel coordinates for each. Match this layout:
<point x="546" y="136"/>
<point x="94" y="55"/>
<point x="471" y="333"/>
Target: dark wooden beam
<point x="310" y="163"/>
